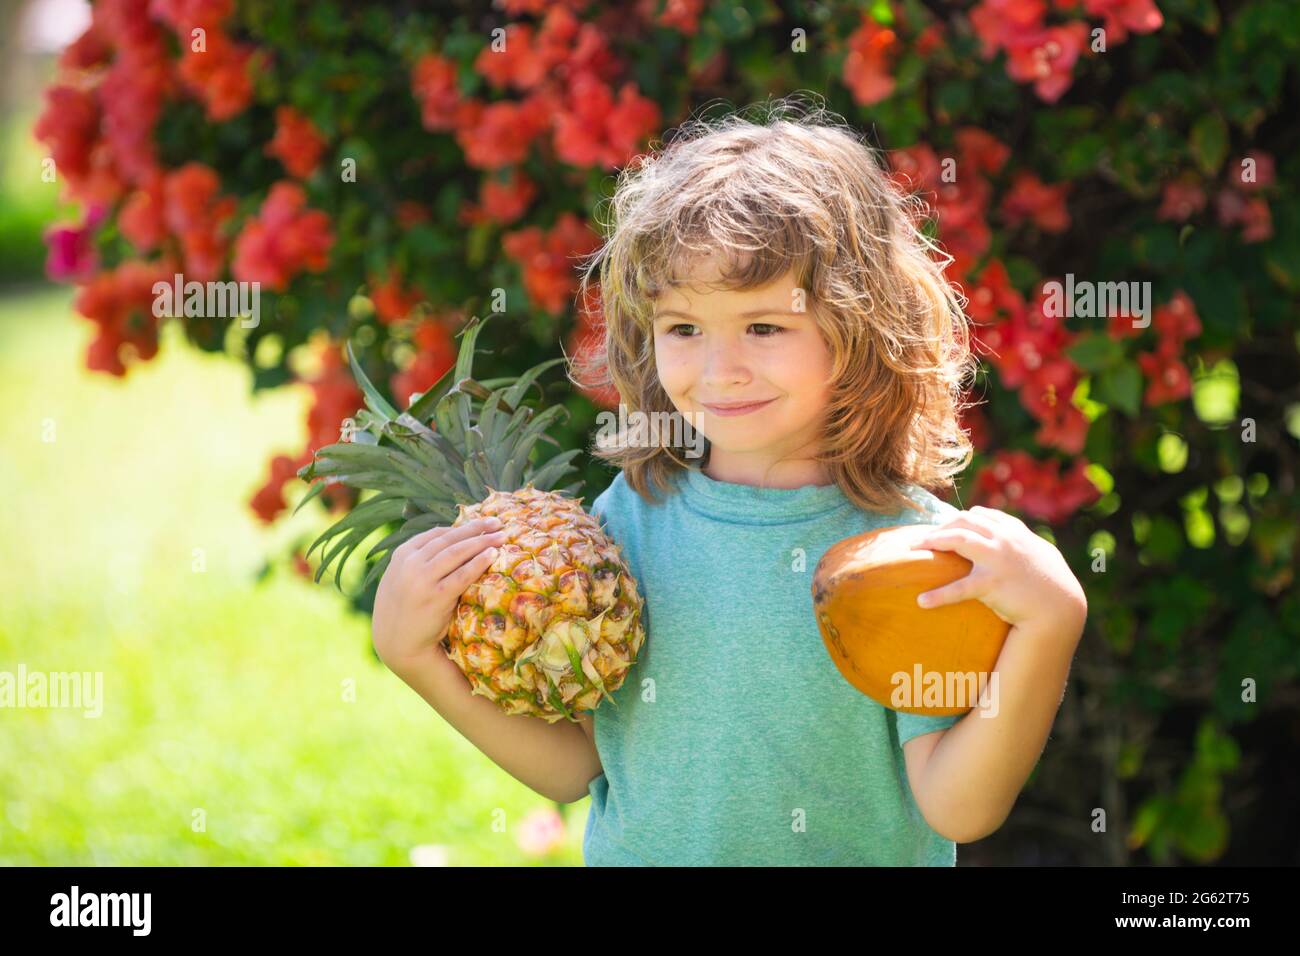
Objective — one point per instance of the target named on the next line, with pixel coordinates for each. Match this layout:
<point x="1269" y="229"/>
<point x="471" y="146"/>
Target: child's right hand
<point x="422" y="584"/>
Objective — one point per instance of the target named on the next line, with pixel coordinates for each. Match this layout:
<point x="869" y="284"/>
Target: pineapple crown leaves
<point x="482" y="440"/>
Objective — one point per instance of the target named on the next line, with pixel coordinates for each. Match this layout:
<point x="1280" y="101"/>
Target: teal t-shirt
<point x="735" y="740"/>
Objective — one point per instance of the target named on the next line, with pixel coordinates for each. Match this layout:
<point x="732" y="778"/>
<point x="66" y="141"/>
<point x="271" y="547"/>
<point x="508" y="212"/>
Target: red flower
<point x="283" y="240"/>
<point x="1233" y="208"/>
<point x="1025" y="343"/>
<point x="915" y="169"/>
<point x="499" y="134"/>
<point x="999" y="23"/>
<point x="1167" y="377"/>
<point x="929" y="39"/>
<point x="1122" y="325"/>
<point x="578" y="47"/>
<point x="1066" y="428"/>
<point x="1047" y="395"/>
<point x="132" y="90"/>
<point x="93" y="48"/>
<point x="69" y="127"/>
<point x="436" y="352"/>
<point x="961" y="210"/>
<point x="518" y="63"/>
<point x="1181" y="199"/>
<point x="120" y="303"/>
<point x="336" y="398"/>
<point x="433" y="83"/>
<point x="592" y="129"/>
<point x="1140" y="16"/>
<point x="500" y="202"/>
<point x="960" y="207"/>
<point x="1262" y="171"/>
<point x="1176" y="322"/>
<point x="994" y="295"/>
<point x="586" y="345"/>
<point x="981" y="151"/>
<point x="141" y="216"/>
<point x="867" y="70"/>
<point x="1030" y="198"/>
<point x="196" y="215"/>
<point x="1046" y="58"/>
<point x="682" y="15"/>
<point x="1036" y="489"/>
<point x="297" y="144"/>
<point x="218" y="75"/>
<point x="268" y="501"/>
<point x="71" y="254"/>
<point x="393" y="302"/>
<point x="548" y="259"/>
<point x="184" y="15"/>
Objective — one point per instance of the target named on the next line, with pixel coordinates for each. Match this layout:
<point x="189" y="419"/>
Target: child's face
<point x="726" y="347"/>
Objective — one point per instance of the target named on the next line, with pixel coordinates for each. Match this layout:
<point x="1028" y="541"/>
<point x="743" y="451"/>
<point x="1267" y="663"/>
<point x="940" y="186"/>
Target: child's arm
<point x="966" y="779"/>
<point x="413" y="610"/>
<point x="557" y="760"/>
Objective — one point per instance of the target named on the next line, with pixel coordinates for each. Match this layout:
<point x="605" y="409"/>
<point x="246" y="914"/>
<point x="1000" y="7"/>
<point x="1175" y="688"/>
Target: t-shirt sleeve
<point x="605" y="508"/>
<point x="914" y="725"/>
<point x="601" y="503"/>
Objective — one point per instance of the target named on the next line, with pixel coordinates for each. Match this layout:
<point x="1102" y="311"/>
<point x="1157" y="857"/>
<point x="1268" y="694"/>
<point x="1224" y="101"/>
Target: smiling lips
<point x="737" y="409"/>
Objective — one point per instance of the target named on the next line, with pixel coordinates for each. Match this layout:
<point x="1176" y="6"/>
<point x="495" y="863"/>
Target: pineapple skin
<point x="558" y="593"/>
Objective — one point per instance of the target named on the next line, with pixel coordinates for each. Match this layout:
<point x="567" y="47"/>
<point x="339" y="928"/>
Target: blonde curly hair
<point x="798" y="189"/>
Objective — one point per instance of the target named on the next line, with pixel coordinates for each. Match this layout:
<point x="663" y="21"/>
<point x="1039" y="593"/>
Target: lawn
<point x="243" y="722"/>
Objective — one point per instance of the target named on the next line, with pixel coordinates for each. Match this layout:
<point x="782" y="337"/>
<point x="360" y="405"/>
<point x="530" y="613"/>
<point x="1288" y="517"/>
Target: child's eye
<point x="772" y="330"/>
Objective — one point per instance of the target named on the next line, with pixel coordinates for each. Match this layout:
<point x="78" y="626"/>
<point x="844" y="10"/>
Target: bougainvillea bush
<point x="387" y="170"/>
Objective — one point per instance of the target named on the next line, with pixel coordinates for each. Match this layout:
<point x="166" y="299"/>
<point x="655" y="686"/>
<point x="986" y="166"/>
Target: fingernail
<point x="492" y="553"/>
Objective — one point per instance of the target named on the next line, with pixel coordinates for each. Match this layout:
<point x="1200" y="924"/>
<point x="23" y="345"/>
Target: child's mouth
<point x="729" y="410"/>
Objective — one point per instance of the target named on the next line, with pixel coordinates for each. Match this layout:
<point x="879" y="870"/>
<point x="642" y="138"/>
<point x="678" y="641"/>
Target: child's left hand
<point x="1020" y="576"/>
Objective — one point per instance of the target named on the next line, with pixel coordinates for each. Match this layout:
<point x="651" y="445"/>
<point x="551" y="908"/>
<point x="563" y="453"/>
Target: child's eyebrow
<point x="751" y="314"/>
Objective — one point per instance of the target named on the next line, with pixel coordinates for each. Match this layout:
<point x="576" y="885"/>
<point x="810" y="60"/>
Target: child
<point x="767" y="283"/>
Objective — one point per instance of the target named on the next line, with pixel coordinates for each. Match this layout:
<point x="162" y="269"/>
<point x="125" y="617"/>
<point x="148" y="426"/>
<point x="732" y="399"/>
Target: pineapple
<point x="552" y="627"/>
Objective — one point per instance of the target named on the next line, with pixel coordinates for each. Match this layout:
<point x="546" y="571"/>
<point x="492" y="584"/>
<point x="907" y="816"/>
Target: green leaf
<point x="1203" y="836"/>
<point x="312" y="492"/>
<point x="366" y="516"/>
<point x="555" y="467"/>
<point x="1209" y="143"/>
<point x="516" y="393"/>
<point x="1120" y="386"/>
<point x="378" y="404"/>
<point x="1096" y="351"/>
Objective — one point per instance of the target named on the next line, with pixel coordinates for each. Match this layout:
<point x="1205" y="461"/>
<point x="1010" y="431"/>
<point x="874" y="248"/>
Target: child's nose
<point x="723" y="366"/>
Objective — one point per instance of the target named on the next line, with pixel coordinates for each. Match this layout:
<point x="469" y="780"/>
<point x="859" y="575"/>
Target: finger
<point x="972" y="546"/>
<point x="459" y="580"/>
<point x="967" y="519"/>
<point x="995" y="516"/>
<point x="963" y="589"/>
<point x="444" y="562"/>
<point x="433" y="543"/>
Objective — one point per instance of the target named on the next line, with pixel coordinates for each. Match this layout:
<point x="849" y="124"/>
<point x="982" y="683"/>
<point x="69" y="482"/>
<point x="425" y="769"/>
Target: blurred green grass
<point x="220" y="695"/>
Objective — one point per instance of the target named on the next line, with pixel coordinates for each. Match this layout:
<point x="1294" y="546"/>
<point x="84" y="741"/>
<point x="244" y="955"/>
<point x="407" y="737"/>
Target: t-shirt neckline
<point x="751" y="504"/>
